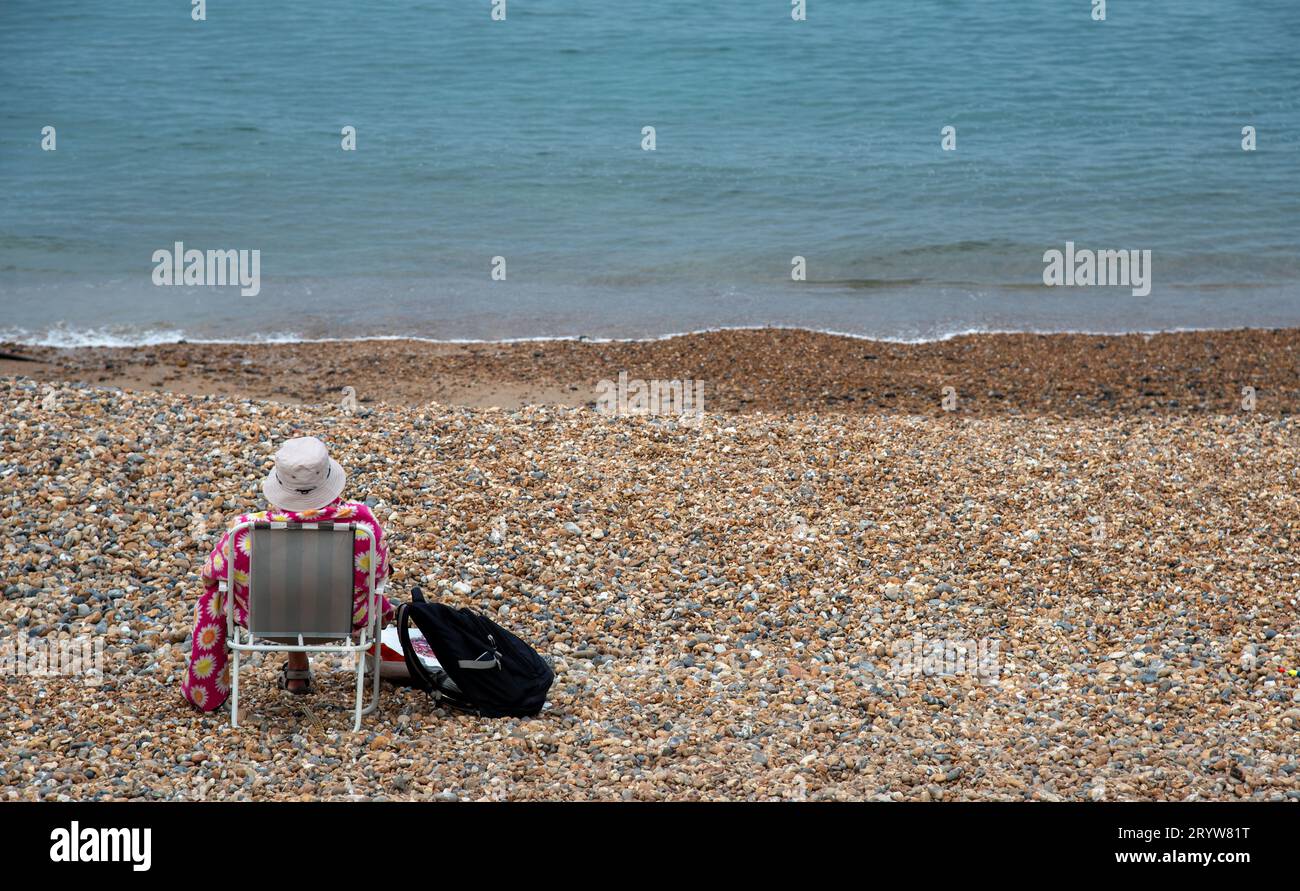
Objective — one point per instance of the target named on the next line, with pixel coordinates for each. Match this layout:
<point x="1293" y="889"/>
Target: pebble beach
<point x="724" y="605"/>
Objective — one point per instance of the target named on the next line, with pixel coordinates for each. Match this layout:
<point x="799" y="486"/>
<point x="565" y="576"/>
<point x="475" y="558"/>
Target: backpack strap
<point x="481" y="661"/>
<point x="419" y="674"/>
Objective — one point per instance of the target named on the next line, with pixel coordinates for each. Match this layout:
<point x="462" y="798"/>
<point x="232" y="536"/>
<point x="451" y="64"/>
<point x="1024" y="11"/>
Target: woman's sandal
<point x="288" y="674"/>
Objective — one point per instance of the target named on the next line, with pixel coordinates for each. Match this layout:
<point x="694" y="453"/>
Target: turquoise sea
<point x="522" y="139"/>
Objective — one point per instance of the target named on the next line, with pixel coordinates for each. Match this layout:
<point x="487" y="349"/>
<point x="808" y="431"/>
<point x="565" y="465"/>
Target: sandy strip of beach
<point x="768" y="370"/>
<point x="739" y="611"/>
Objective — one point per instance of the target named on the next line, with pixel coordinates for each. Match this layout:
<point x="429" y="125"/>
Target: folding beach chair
<point x="300" y="598"/>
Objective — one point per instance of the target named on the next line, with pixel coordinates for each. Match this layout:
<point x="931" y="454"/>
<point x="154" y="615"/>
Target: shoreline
<point x="114" y="342"/>
<point x="743" y="370"/>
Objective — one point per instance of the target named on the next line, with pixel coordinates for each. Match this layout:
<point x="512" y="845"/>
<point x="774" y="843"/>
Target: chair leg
<point x="234" y="692"/>
<point x="361" y="686"/>
<point x="374" y="701"/>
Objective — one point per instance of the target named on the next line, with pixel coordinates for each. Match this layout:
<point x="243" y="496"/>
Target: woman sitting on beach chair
<point x="304" y="487"/>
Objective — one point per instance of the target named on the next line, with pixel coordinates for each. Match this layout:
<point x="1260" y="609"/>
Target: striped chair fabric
<point x="301" y="582"/>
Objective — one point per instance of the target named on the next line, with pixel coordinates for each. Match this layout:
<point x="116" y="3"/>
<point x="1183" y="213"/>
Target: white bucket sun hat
<point x="305" y="477"/>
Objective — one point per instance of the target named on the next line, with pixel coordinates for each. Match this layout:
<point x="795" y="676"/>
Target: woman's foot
<point x="297" y="684"/>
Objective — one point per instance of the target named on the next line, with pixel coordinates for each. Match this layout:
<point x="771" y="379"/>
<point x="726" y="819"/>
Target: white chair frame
<point x="364" y="639"/>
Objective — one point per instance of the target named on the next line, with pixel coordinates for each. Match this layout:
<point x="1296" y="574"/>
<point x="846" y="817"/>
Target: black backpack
<point x="489" y="671"/>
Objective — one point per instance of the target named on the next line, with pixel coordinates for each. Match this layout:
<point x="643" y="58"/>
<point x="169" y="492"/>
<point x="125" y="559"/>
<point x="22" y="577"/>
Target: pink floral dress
<point x="207" y="678"/>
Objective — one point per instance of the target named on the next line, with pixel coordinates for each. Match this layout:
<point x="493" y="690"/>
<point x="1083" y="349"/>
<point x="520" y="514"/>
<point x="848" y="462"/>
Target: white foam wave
<point x="71" y="338"/>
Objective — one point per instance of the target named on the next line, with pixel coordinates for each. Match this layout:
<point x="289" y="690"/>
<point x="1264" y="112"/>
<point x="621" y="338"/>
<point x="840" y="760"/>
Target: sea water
<point x="501" y="185"/>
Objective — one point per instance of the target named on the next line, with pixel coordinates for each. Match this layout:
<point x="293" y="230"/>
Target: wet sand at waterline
<point x="767" y="370"/>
